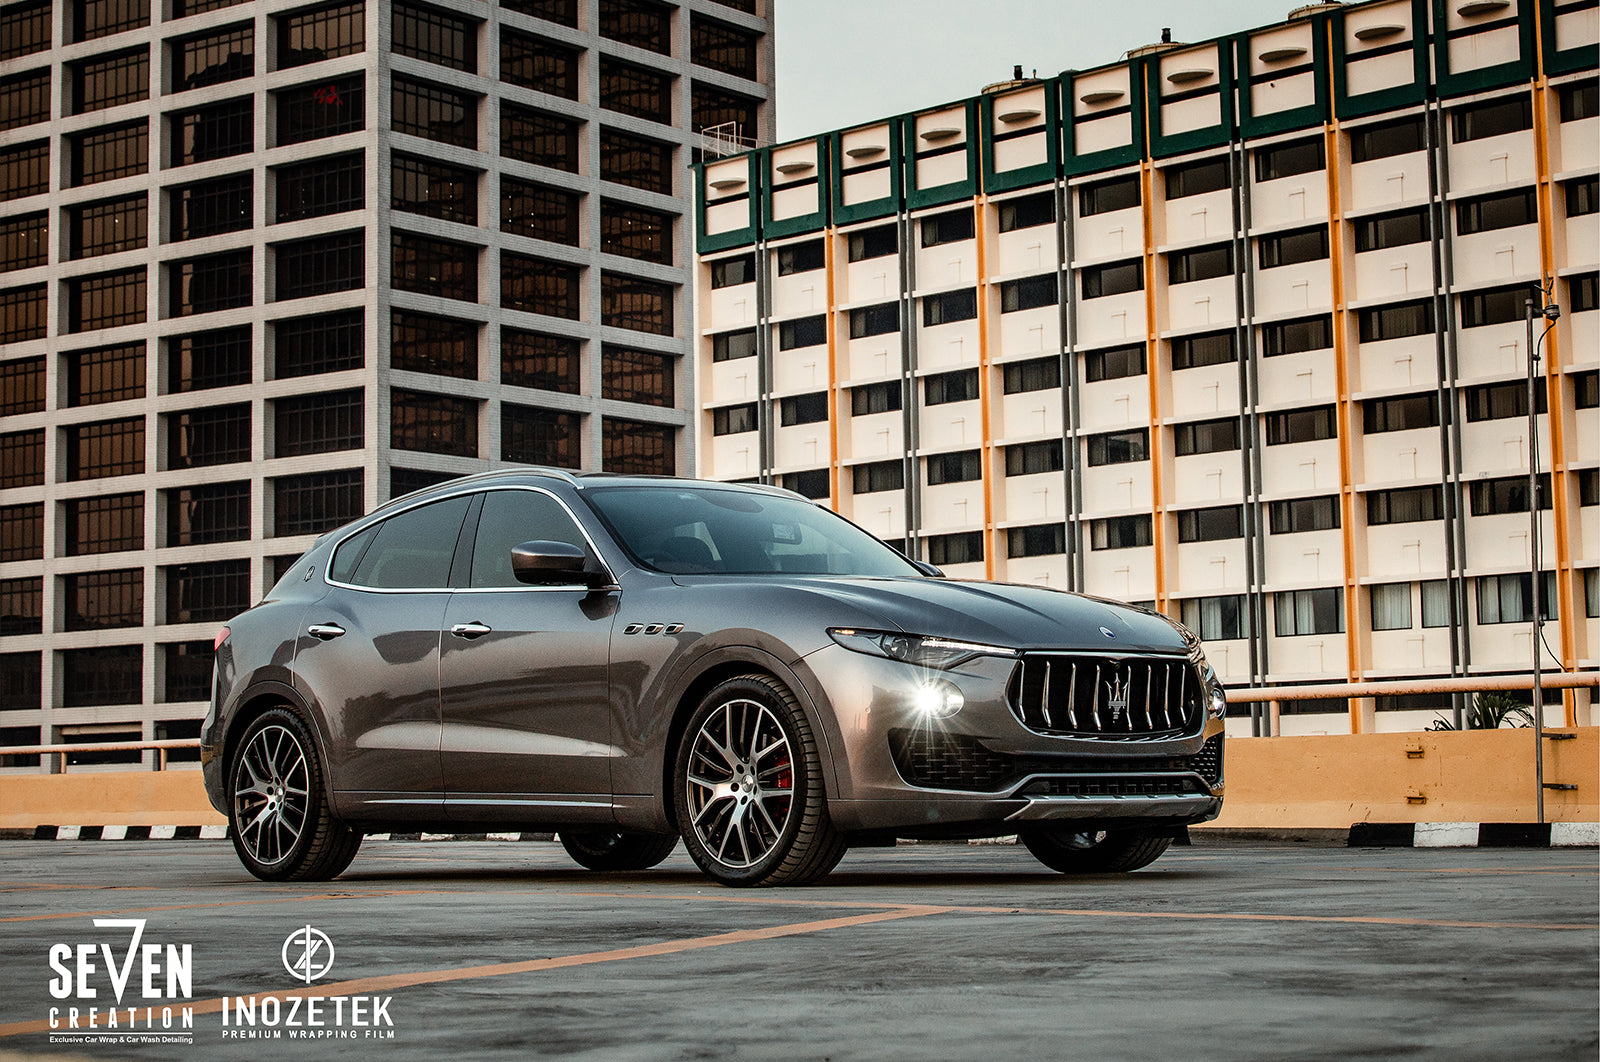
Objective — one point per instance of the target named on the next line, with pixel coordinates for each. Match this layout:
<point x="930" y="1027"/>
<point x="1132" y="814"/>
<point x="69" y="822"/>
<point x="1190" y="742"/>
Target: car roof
<point x="575" y="479"/>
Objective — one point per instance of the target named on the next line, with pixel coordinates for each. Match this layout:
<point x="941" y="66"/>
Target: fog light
<point x="937" y="700"/>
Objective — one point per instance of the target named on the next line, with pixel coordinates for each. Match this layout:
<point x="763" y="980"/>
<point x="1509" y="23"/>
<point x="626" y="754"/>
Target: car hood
<point x="1023" y="617"/>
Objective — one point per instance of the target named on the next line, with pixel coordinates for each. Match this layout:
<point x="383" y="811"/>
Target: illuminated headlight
<point x="941" y="654"/>
<point x="937" y="700"/>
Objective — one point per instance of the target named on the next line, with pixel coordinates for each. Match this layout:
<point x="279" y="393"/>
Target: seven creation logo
<point x="307" y="954"/>
<point x="94" y="973"/>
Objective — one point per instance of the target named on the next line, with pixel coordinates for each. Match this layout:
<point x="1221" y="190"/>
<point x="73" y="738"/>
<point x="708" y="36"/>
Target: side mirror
<point x="931" y="571"/>
<point x="553" y="564"/>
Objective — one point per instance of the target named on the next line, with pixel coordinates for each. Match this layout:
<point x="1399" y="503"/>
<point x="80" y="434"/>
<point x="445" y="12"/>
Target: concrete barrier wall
<point x="1323" y="782"/>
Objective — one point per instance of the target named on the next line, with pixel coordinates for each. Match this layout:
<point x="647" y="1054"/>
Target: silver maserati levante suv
<point x="631" y="660"/>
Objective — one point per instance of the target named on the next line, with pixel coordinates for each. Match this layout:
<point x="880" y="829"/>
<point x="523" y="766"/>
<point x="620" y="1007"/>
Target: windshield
<point x="699" y="530"/>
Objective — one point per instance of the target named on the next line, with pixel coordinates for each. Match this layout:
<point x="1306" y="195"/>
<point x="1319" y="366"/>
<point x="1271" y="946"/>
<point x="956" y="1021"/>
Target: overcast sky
<point x="841" y="62"/>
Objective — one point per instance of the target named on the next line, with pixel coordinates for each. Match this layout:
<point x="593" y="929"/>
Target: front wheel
<point x="616" y="850"/>
<point x="278" y="813"/>
<point x="748" y="791"/>
<point x="1078" y="851"/>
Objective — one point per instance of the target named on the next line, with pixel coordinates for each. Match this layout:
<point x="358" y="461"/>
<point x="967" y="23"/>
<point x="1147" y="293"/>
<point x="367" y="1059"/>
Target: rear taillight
<point x="222" y="636"/>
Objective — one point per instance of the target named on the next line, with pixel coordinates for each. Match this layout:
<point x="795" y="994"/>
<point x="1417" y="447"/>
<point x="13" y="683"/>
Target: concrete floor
<point x="919" y="953"/>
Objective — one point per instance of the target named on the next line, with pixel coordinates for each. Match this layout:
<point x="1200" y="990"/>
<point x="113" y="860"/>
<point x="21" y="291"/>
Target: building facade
<point x="1234" y="329"/>
<point x="264" y="265"/>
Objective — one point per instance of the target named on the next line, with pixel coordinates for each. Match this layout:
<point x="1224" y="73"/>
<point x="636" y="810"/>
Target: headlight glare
<point x="921" y="650"/>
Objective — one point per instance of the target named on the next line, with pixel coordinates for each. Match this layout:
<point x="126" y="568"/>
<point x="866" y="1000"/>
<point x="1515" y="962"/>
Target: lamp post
<point x="1549" y="312"/>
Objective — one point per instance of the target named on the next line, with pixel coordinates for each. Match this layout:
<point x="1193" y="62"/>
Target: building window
<point x="538" y="64"/>
<point x="945" y="387"/>
<point x="213" y="512"/>
<point x="1216" y="619"/>
<point x="722" y="47"/>
<point x="637" y="22"/>
<point x="1408" y="506"/>
<point x="1584" y="293"/>
<point x="21" y="689"/>
<point x="1197" y="178"/>
<point x="1206" y="437"/>
<point x="1297" y="337"/>
<point x="1211" y="525"/>
<point x="542" y="139"/>
<point x="1509" y="598"/>
<point x="1373" y="142"/>
<point x="318" y="424"/>
<point x="1391" y="606"/>
<point x="110" y="80"/>
<point x="435" y="113"/>
<point x="199" y="361"/>
<point x="111" y="153"/>
<point x="629" y="375"/>
<point x="311" y="36"/>
<point x="1293" y="248"/>
<point x="185" y="8"/>
<point x="324" y="108"/>
<point x="1119" y="447"/>
<point x="1027" y="211"/>
<point x="1299" y="612"/>
<point x="102" y="600"/>
<point x="108" y="524"/>
<point x="420" y="342"/>
<point x="22" y="314"/>
<point x="1582" y="195"/>
<point x="1399" y="229"/>
<point x="635" y="90"/>
<point x="25" y="29"/>
<point x="110" y="674"/>
<point x="938" y="230"/>
<point x="811" y="483"/>
<point x="1118" y="278"/>
<point x="1498" y="497"/>
<point x="963" y="466"/>
<point x="1029" y="293"/>
<point x="637" y="448"/>
<point x="109" y="226"/>
<point x="213" y="58"/>
<point x="1119" y="532"/>
<point x="24" y="241"/>
<point x="1207" y="263"/>
<point x="710" y="108"/>
<point x="1579" y="100"/>
<point x="963" y="547"/>
<point x="1212" y="348"/>
<point x="530" y="359"/>
<point x="1103" y="197"/>
<point x="1036" y="374"/>
<point x="1396" y="322"/>
<point x="22" y="458"/>
<point x="1585" y="390"/>
<point x="434" y="36"/>
<point x="533" y="285"/>
<point x="1116" y="363"/>
<point x="105" y="374"/>
<point x="209" y="283"/>
<point x="1288" y="160"/>
<point x="215" y="131"/>
<point x="1494" y="118"/>
<point x="1497" y="306"/>
<point x="803" y="409"/>
<point x="93" y="19"/>
<point x="22" y="386"/>
<point x="805" y="332"/>
<point x="1303" y="514"/>
<point x="24" y="170"/>
<point x="539" y="212"/>
<point x="734" y="420"/>
<point x="216" y="435"/>
<point x="107" y="300"/>
<point x="878" y="320"/>
<point x="24" y="99"/>
<point x="880" y="242"/>
<point x="434" y="190"/>
<point x="539" y="436"/>
<point x="1501" y="401"/>
<point x="207" y="593"/>
<point x="188" y="671"/>
<point x="22" y="532"/>
<point x="731" y="346"/>
<point x="878" y="476"/>
<point x="402" y="481"/>
<point x="1029" y="459"/>
<point x="875" y="398"/>
<point x="21" y="606"/>
<point x="1490" y="212"/>
<point x="804" y="257"/>
<point x="563" y="12"/>
<point x="1403" y="413"/>
<point x="636" y="162"/>
<point x="321" y="343"/>
<point x="316" y="502"/>
<point x="435" y="267"/>
<point x="635" y="232"/>
<point x="316" y="189"/>
<point x="733" y="272"/>
<point x="1300" y="425"/>
<point x="640" y="305"/>
<point x="434" y="424"/>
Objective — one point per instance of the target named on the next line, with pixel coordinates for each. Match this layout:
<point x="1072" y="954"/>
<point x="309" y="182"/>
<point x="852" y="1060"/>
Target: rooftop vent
<point x="1301" y="13"/>
<point x="1165" y="44"/>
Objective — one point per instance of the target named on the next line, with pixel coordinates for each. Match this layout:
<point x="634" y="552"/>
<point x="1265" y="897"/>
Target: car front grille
<point x="935" y="760"/>
<point x="1109" y="697"/>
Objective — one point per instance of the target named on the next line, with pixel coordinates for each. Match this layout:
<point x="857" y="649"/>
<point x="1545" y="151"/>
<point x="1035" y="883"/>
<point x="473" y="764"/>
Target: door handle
<point x="470" y="630"/>
<point x="325" y="631"/>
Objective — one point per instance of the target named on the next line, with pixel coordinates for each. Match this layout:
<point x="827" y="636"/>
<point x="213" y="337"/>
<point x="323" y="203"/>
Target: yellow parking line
<point x="297" y="898"/>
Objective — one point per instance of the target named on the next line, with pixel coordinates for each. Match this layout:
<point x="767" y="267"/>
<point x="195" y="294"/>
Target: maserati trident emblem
<point x="1117" y="697"/>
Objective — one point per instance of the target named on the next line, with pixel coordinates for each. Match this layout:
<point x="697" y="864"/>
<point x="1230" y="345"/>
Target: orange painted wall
<point x="105" y="798"/>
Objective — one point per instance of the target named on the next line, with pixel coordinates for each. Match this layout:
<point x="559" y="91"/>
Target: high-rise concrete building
<point x="1236" y="329"/>
<point x="264" y="265"/>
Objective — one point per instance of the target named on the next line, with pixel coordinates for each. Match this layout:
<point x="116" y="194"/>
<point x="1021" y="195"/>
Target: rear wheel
<point x="747" y="788"/>
<point x="282" y="826"/>
<point x="616" y="850"/>
<point x="1078" y="851"/>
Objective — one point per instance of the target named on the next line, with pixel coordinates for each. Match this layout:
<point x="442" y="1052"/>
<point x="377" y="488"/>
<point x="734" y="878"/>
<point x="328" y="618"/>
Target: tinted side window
<point x="511" y="517"/>
<point x="413" y="549"/>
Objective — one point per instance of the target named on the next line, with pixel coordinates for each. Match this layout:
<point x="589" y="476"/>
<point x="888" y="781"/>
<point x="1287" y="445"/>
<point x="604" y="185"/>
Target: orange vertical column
<point x="1345" y="420"/>
<point x="990" y="537"/>
<point x="832" y="332"/>
<point x="1153" y="378"/>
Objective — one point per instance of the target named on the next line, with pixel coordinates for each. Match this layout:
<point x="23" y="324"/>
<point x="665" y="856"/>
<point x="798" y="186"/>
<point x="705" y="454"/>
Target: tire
<point x="278" y="814"/>
<point x="748" y="791"/>
<point x="1077" y="851"/>
<point x="614" y="850"/>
